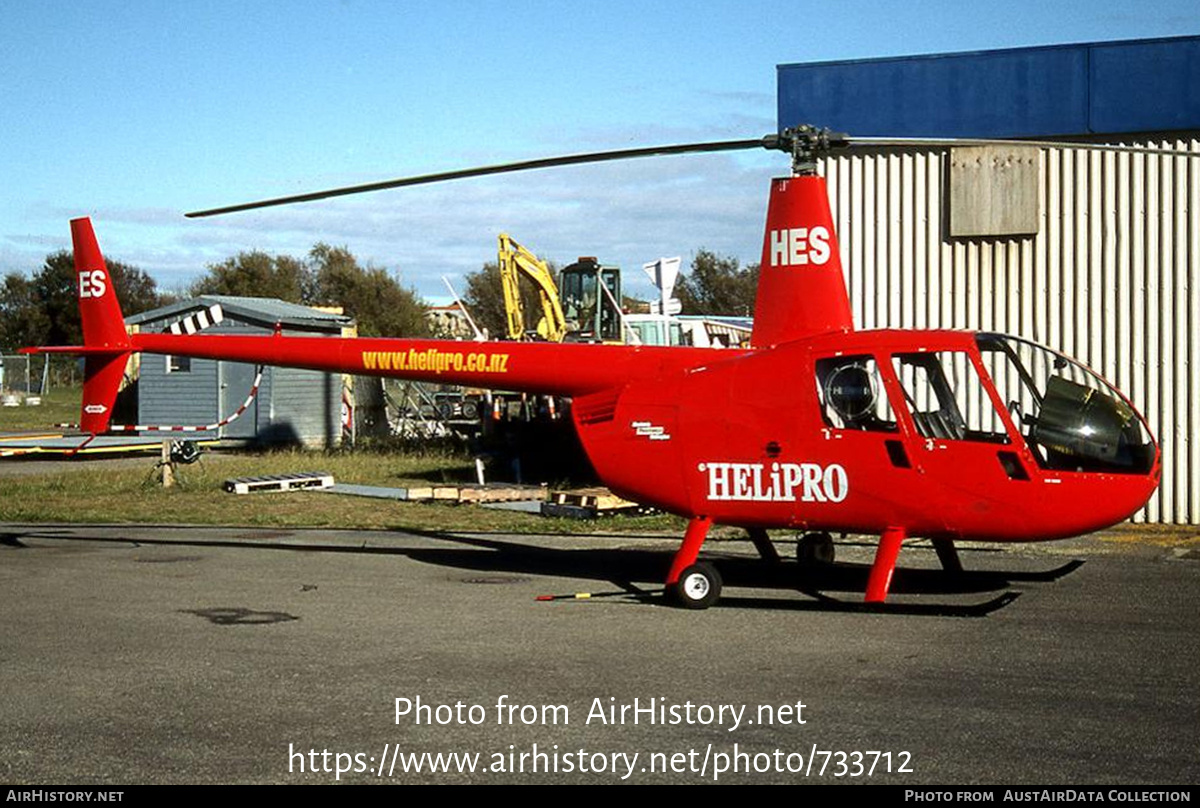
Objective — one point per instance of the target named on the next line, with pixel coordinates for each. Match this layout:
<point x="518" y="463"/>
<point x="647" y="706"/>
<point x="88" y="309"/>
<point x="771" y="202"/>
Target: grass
<point x="94" y="492"/>
<point x="59" y="406"/>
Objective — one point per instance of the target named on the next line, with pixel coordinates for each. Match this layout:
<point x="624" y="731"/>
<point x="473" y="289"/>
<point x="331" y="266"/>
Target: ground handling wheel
<point x="815" y="548"/>
<point x="698" y="587"/>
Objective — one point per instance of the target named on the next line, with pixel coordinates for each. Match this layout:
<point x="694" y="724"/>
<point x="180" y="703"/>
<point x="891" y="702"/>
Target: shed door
<point x="236" y="378"/>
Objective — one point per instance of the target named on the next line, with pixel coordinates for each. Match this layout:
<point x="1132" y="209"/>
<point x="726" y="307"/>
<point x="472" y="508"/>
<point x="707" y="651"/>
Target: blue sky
<point x="133" y="113"/>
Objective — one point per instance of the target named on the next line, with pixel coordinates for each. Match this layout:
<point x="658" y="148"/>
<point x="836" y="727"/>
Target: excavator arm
<point x="516" y="261"/>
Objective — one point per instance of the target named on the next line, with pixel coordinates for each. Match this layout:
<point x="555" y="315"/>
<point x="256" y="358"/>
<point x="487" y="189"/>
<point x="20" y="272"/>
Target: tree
<point x="484" y="299"/>
<point x="22" y="321"/>
<point x="44" y="309"/>
<point x="718" y="285"/>
<point x="329" y="276"/>
<point x="257" y="274"/>
<point x="376" y="300"/>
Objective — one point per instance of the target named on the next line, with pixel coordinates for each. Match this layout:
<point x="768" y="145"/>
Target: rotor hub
<point x="805" y="143"/>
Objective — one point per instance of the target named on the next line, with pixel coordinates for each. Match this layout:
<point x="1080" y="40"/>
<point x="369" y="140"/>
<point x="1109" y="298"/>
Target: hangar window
<point x="179" y="364"/>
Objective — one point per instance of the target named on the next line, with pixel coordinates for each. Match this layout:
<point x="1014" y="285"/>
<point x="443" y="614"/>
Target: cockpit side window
<point x="852" y="394"/>
<point x="946" y="397"/>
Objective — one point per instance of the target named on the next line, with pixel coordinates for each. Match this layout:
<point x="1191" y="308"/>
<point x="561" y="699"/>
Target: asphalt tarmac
<point x="231" y="655"/>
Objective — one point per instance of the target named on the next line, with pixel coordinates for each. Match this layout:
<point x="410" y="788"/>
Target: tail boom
<point x="568" y="369"/>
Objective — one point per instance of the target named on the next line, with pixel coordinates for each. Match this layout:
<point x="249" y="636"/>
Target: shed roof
<point x="264" y="311"/>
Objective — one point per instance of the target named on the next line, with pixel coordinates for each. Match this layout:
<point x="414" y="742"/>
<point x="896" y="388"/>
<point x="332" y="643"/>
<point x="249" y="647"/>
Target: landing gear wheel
<point x="698" y="587"/>
<point x="815" y="548"/>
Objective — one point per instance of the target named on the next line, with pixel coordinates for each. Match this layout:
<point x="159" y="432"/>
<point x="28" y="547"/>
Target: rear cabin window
<point x="852" y="395"/>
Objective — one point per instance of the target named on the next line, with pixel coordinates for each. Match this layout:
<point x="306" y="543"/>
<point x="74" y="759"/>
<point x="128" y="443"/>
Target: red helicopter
<point x="817" y="427"/>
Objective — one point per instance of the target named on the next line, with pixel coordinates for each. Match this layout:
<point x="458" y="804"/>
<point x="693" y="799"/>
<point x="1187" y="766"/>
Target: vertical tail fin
<point x="104" y="337"/>
<point x="801" y="289"/>
<point x="103" y="325"/>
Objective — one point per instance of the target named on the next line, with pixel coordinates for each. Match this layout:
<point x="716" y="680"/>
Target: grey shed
<point x="293" y="406"/>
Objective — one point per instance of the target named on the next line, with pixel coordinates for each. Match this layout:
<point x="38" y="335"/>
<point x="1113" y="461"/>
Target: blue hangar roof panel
<point x="1024" y="92"/>
<point x="1146" y="86"/>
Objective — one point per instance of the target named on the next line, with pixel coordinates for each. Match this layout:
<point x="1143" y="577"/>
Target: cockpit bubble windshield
<point x="1070" y="417"/>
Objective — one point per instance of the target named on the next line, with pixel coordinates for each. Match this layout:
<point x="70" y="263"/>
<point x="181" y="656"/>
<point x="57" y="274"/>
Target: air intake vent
<point x="596" y="408"/>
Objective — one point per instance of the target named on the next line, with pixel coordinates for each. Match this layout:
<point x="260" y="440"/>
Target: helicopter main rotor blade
<point x="1042" y="144"/>
<point x="804" y="142"/>
<point x="501" y="168"/>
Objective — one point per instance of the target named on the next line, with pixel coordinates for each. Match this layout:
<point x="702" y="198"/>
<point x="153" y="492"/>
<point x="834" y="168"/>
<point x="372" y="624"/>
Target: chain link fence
<point x="37" y="375"/>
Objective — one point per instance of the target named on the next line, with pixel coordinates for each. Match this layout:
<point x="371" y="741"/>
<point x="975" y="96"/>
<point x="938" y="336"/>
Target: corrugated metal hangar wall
<point x="1107" y="272"/>
<point x="1112" y="277"/>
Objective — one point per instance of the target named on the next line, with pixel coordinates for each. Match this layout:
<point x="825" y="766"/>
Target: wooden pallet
<point x="589" y="503"/>
<point x="491" y="492"/>
<point x="501" y="493"/>
<point x="599" y="498"/>
<point x="279" y="482"/>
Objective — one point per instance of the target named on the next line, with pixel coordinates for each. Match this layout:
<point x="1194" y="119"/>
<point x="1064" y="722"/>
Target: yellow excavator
<point x="587" y="308"/>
